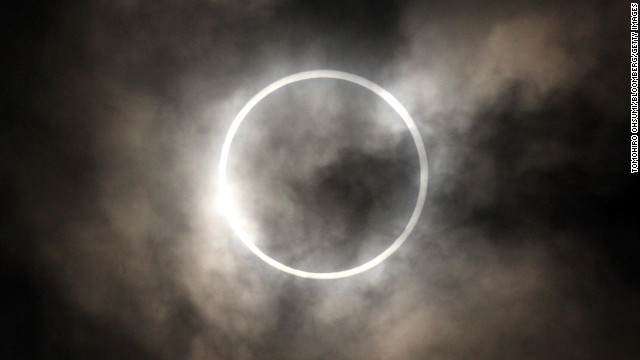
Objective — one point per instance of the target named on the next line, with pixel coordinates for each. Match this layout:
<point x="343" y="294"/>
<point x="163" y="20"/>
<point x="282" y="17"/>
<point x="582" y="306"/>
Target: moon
<point x="228" y="205"/>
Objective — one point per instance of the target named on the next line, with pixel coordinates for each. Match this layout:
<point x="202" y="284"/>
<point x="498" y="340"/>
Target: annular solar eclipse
<point x="228" y="202"/>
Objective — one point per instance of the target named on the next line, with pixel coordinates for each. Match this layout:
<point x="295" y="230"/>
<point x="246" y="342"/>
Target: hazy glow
<point x="230" y="209"/>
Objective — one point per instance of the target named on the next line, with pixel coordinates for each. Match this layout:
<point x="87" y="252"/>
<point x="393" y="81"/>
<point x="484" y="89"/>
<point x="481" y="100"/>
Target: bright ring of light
<point x="230" y="210"/>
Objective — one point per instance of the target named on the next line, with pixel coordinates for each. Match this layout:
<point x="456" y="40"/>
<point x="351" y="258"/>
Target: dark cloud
<point x="113" y="244"/>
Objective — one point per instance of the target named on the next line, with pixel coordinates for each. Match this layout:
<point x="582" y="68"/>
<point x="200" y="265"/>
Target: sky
<point x="114" y="243"/>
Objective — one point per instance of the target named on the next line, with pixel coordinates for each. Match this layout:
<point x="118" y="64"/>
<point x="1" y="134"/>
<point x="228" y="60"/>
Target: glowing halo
<point x="230" y="210"/>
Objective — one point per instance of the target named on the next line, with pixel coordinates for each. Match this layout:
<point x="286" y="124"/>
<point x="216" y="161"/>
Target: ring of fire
<point x="229" y="207"/>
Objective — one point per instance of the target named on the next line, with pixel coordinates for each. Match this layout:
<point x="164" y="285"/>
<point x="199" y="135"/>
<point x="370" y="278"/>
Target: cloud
<point x="111" y="163"/>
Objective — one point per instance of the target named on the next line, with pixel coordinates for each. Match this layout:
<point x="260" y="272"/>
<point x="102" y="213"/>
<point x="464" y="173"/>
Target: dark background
<point x="113" y="114"/>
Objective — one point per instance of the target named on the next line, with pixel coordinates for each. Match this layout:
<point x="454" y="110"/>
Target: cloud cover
<point x="117" y="111"/>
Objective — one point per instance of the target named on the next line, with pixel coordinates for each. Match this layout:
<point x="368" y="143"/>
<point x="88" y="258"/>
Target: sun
<point x="228" y="203"/>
